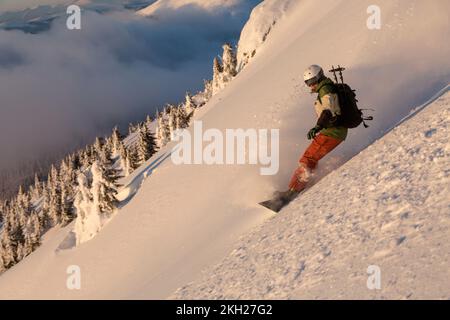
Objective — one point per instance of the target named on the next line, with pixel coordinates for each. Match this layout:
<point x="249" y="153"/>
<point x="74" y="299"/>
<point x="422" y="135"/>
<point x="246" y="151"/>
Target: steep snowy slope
<point x="181" y="219"/>
<point x="389" y="207"/>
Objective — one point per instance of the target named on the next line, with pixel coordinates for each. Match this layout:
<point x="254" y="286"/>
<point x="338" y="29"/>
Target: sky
<point x="61" y="88"/>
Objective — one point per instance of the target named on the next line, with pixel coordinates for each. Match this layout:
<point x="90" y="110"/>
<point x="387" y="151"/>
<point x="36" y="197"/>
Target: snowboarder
<point x="326" y="135"/>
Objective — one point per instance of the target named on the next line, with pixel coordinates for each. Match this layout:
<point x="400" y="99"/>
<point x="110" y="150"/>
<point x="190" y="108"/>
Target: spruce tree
<point x="229" y="61"/>
<point x="66" y="214"/>
<point x="20" y="195"/>
<point x="132" y="159"/>
<point x="85" y="158"/>
<point x="189" y="105"/>
<point x="31" y="236"/>
<point x="7" y="249"/>
<point x="67" y="173"/>
<point x="54" y="205"/>
<point x="37" y="189"/>
<point x="88" y="219"/>
<point x="106" y="162"/>
<point x="75" y="163"/>
<point x="217" y="82"/>
<point x="44" y="218"/>
<point x="116" y="139"/>
<point x="148" y="121"/>
<point x="34" y="232"/>
<point x="146" y="145"/>
<point x="208" y="91"/>
<point x="2" y="208"/>
<point x="83" y="196"/>
<point x="13" y="236"/>
<point x="172" y="121"/>
<point x="183" y="118"/>
<point x="104" y="190"/>
<point x="163" y="130"/>
<point x="165" y="126"/>
<point x="123" y="155"/>
<point x="159" y="133"/>
<point x="97" y="148"/>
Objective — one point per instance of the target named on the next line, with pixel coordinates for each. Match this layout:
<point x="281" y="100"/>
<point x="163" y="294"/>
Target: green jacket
<point x="327" y="99"/>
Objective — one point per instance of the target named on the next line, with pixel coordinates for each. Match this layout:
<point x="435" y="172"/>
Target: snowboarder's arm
<point x="326" y="119"/>
<point x="328" y="109"/>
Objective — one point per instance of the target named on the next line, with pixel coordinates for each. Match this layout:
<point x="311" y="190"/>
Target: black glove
<point x="313" y="132"/>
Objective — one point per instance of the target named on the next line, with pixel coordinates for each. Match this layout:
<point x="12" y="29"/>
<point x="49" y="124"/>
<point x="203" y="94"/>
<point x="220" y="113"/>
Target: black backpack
<point x="351" y="116"/>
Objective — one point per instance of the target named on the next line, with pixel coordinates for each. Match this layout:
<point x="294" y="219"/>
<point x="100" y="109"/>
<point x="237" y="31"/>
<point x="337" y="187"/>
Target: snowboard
<point x="280" y="200"/>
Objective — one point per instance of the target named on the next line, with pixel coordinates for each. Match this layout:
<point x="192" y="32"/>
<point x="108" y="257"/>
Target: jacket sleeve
<point x="330" y="102"/>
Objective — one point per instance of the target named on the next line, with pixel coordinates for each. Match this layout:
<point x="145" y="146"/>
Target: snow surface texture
<point x="176" y="221"/>
<point x="389" y="206"/>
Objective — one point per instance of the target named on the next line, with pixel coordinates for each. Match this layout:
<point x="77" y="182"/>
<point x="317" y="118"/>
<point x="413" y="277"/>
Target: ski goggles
<point x="311" y="81"/>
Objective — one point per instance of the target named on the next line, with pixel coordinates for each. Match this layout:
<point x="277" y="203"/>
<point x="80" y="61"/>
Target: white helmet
<point x="313" y="75"/>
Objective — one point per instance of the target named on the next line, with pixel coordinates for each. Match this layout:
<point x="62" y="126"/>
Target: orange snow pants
<point x="319" y="147"/>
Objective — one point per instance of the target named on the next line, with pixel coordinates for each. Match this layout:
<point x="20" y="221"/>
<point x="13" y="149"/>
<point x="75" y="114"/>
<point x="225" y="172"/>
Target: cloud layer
<point x="61" y="88"/>
<point x="6" y="5"/>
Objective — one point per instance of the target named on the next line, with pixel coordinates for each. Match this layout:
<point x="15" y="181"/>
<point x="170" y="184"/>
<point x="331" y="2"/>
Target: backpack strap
<point x="364" y="119"/>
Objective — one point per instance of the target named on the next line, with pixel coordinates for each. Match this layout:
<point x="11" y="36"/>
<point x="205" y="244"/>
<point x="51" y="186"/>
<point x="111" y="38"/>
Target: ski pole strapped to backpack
<point x="351" y="116"/>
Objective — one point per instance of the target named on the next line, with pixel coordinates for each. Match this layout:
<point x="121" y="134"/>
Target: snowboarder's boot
<point x="281" y="198"/>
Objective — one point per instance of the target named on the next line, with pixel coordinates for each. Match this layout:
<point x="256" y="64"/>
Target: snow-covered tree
<point x="104" y="187"/>
<point x="183" y="118"/>
<point x="75" y="163"/>
<point x="37" y="187"/>
<point x="88" y="221"/>
<point x="68" y="175"/>
<point x="217" y="82"/>
<point x="45" y="220"/>
<point x="33" y="233"/>
<point x="146" y="145"/>
<point x="85" y="158"/>
<point x="116" y="139"/>
<point x="67" y="185"/>
<point x="97" y="148"/>
<point x="148" y="121"/>
<point x="123" y="155"/>
<point x="2" y="212"/>
<point x="158" y="130"/>
<point x="54" y="196"/>
<point x="109" y="146"/>
<point x="132" y="127"/>
<point x="66" y="214"/>
<point x="12" y="237"/>
<point x="225" y="71"/>
<point x="208" y="91"/>
<point x="8" y="249"/>
<point x="107" y="163"/>
<point x="229" y="61"/>
<point x="132" y="160"/>
<point x="189" y="105"/>
<point x="162" y="130"/>
<point x="172" y="121"/>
